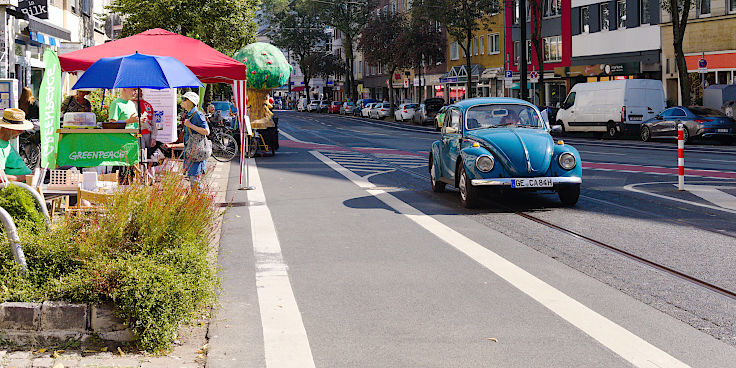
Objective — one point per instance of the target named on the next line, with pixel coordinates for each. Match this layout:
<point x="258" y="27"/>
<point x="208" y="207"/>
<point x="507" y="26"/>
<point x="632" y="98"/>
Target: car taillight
<point x="623" y="114"/>
<point x="699" y="121"/>
<point x="404" y="111"/>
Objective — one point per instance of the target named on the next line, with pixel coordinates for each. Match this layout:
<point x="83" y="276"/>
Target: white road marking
<point x="284" y="337"/>
<point x="712" y="194"/>
<point x="604" y="153"/>
<point x="632" y="188"/>
<point x="629" y="346"/>
<point x="712" y="160"/>
<point x="292" y="138"/>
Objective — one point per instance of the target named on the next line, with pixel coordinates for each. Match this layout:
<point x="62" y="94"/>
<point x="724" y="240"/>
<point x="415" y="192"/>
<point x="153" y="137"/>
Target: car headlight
<point x="567" y="161"/>
<point x="484" y="163"/>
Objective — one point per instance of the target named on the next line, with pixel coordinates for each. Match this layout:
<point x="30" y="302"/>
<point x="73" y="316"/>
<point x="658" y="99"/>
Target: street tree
<point x="226" y="25"/>
<point x="349" y="17"/>
<point x="302" y="34"/>
<point x="536" y="14"/>
<point x="383" y="42"/>
<point x="461" y="19"/>
<point x="425" y="45"/>
<point x="680" y="11"/>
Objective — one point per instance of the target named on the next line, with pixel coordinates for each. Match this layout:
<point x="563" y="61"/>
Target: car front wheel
<point x="468" y="194"/>
<point x="569" y="195"/>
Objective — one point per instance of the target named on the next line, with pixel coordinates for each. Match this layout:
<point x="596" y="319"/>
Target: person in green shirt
<point x="13" y="124"/>
<point x="123" y="109"/>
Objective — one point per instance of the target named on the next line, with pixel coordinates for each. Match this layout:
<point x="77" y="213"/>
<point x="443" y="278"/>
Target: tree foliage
<point x="349" y="17"/>
<point x="384" y="42"/>
<point x="226" y="25"/>
<point x="461" y="19"/>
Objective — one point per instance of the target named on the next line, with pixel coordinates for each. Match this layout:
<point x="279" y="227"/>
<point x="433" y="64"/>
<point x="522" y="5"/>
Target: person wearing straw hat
<point x="11" y="164"/>
<point x="194" y="123"/>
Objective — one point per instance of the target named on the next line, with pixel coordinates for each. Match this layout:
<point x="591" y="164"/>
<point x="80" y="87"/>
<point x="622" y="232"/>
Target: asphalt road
<point x="366" y="267"/>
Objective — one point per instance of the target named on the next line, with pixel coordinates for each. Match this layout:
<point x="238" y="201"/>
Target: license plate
<point x="532" y="183"/>
<point x="722" y="130"/>
<point x="635" y="118"/>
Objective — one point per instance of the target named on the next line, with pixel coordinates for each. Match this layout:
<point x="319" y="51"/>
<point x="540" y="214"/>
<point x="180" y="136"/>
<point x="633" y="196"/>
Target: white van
<point x="302" y="104"/>
<point x="612" y="107"/>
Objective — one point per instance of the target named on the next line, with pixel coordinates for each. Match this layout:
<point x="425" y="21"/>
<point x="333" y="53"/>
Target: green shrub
<point x="22" y="207"/>
<point x="148" y="254"/>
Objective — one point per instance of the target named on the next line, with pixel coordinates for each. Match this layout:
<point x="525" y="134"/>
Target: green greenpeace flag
<point x="50" y="109"/>
<point x="98" y="149"/>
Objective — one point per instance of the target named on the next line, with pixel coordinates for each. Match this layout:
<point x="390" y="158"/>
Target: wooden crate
<point x="64" y="179"/>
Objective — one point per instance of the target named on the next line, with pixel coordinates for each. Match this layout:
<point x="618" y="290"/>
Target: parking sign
<point x="508" y="74"/>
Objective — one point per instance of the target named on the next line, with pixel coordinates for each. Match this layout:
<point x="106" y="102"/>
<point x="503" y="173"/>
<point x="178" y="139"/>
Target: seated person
<point x="510" y="119"/>
<point x="13" y="124"/>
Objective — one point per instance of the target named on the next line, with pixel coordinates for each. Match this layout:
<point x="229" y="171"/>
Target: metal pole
<point x="12" y="233"/>
<point x="680" y="157"/>
<point x="522" y="24"/>
<point x="247" y="166"/>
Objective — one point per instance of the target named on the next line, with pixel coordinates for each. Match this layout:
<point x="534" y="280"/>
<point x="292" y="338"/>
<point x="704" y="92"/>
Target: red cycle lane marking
<point x="659" y="170"/>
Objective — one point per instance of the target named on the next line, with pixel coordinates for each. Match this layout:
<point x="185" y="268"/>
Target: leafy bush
<point x="148" y="254"/>
<point x="21" y="206"/>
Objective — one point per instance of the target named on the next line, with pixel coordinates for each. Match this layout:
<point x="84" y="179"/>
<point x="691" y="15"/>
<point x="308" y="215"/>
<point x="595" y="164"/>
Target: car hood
<point x="523" y="152"/>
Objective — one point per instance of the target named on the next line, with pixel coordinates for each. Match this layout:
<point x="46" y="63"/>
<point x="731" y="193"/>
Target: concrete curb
<point x="54" y="322"/>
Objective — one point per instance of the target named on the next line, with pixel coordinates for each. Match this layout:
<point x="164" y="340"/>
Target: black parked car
<point x="699" y="121"/>
<point x="428" y="110"/>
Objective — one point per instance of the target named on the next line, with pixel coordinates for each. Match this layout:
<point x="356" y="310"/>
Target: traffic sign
<point x="533" y="77"/>
<point x="508" y="75"/>
<point x="702" y="66"/>
<point x="406" y="83"/>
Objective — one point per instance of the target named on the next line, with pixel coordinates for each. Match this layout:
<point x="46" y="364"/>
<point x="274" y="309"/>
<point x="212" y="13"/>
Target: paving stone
<point x="43" y="363"/>
<point x="67" y="363"/>
<point x="63" y="316"/>
<point x="20" y="316"/>
<point x="18" y="355"/>
<point x="119" y="362"/>
<point x="17" y="363"/>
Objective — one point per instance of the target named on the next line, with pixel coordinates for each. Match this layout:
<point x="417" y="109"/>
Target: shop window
<point x="731" y="6"/>
<point x="704" y="7"/>
<point x="515" y="4"/>
<point x="644" y="11"/>
<point x="584" y="19"/>
<point x="621" y="12"/>
<point x="606" y="17"/>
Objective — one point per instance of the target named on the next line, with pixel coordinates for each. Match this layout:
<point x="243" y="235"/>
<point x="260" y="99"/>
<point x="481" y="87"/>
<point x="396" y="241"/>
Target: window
<point x="644" y="11"/>
<point x="494" y="43"/>
<point x="605" y="17"/>
<point x="454" y="51"/>
<point x="475" y="46"/>
<point x="455" y="119"/>
<point x="517" y="52"/>
<point x="570" y="100"/>
<point x="481" y="47"/>
<point x="516" y="11"/>
<point x="553" y="49"/>
<point x="584" y="19"/>
<point x="621" y="12"/>
<point x="704" y="7"/>
<point x="552" y="8"/>
<point x="678" y="113"/>
<point x="732" y="5"/>
<point x="86" y="7"/>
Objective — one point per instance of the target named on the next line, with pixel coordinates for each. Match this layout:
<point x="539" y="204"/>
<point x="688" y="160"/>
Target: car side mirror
<point x="450" y="130"/>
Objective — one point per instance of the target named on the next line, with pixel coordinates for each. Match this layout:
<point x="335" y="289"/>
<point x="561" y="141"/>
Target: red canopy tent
<point x="208" y="64"/>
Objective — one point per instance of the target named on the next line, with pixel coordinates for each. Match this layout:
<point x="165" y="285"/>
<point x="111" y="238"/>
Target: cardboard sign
<point x="163" y="102"/>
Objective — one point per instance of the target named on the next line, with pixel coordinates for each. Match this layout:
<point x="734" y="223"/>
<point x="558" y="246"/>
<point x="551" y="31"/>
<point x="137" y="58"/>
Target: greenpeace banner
<point x="50" y="109"/>
<point x="98" y="149"/>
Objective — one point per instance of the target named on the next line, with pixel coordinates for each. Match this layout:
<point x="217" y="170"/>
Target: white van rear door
<point x="639" y="105"/>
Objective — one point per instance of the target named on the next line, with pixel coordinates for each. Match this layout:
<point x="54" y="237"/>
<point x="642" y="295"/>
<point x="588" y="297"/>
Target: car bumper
<point x="506" y="182"/>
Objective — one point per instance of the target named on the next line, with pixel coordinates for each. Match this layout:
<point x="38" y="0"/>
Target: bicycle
<point x="224" y="144"/>
<point x="29" y="148"/>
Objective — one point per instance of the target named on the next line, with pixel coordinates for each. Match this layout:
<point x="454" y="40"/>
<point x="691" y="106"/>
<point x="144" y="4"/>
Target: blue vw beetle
<point x="502" y="143"/>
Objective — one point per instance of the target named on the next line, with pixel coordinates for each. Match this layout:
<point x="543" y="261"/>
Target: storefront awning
<point x="45" y="32"/>
<point x="726" y="60"/>
<point x="297" y="89"/>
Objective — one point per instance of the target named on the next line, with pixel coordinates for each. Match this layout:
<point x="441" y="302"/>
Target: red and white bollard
<point x="680" y="157"/>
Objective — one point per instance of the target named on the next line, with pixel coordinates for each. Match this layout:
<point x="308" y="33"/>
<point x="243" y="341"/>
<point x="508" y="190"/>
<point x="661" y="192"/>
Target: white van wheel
<point x="611" y="130"/>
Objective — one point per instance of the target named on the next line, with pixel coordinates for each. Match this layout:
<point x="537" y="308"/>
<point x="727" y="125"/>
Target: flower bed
<point x="147" y="253"/>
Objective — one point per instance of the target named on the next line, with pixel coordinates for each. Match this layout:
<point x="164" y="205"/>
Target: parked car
<point x="365" y="112"/>
<point x="302" y="104"/>
<point x="502" y="143"/>
<point x="427" y="113"/>
<point x="611" y="107"/>
<point x="313" y="106"/>
<point x="347" y="108"/>
<point x="440" y="118"/>
<point x="334" y="107"/>
<point x="380" y="110"/>
<point x="324" y="105"/>
<point x="224" y="108"/>
<point x="405" y="111"/>
<point x="699" y="121"/>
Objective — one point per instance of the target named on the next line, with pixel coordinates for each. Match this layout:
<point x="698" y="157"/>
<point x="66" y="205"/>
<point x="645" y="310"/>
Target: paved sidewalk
<point x="190" y="350"/>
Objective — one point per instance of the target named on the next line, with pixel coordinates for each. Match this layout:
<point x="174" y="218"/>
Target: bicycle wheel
<point x="30" y="153"/>
<point x="224" y="147"/>
<point x="252" y="146"/>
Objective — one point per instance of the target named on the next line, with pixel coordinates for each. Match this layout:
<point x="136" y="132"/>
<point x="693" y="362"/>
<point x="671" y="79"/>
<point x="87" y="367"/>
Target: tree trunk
<point x="391" y="92"/>
<point x="421" y="87"/>
<point x="540" y="60"/>
<point x="469" y="47"/>
<point x="347" y="46"/>
<point x="307" y="78"/>
<point x="682" y="73"/>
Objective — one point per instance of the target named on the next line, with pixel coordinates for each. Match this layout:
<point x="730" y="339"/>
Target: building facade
<point x="710" y="35"/>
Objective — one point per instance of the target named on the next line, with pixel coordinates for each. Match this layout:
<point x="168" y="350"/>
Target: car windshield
<point x="502" y="115"/>
<point x="706" y="112"/>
